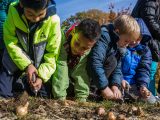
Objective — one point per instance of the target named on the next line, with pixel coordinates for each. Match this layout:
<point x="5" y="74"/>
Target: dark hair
<point x="90" y="29"/>
<point x="35" y="4"/>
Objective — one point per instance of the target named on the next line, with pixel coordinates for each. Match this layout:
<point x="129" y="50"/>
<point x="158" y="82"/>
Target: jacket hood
<point x="143" y="28"/>
<point x="111" y="30"/>
<point x="51" y="9"/>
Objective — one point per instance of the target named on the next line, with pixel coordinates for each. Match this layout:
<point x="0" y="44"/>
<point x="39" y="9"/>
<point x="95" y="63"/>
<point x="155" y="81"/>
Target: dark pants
<point x="1" y="54"/>
<point x="11" y="84"/>
<point x="110" y="65"/>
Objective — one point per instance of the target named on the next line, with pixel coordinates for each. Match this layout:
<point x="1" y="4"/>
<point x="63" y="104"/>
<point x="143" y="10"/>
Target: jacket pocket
<point x="23" y="39"/>
<point x="39" y="50"/>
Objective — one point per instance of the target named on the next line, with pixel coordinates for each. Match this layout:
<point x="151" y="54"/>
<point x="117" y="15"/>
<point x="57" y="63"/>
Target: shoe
<point x="157" y="98"/>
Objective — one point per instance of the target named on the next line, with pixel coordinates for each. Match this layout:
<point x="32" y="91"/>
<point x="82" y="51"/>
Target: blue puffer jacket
<point x="3" y="14"/>
<point x="105" y="47"/>
<point x="137" y="61"/>
<point x="136" y="65"/>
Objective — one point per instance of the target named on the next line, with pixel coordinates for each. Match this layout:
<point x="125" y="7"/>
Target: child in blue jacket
<point x="136" y="65"/>
<point x="104" y="64"/>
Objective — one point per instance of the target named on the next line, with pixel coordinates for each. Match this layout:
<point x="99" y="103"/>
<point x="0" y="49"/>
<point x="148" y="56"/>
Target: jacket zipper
<point x="28" y="31"/>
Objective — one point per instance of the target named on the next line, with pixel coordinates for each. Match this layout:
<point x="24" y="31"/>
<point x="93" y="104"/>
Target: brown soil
<point x="47" y="109"/>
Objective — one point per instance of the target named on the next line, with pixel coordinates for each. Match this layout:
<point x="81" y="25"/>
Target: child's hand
<point x="30" y="71"/>
<point x="116" y="92"/>
<point x="107" y="93"/>
<point x="37" y="85"/>
<point x="123" y="84"/>
<point x="145" y="92"/>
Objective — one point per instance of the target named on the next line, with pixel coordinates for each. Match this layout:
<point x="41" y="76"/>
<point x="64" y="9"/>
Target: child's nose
<point x="36" y="19"/>
<point x="81" y="52"/>
<point x="126" y="45"/>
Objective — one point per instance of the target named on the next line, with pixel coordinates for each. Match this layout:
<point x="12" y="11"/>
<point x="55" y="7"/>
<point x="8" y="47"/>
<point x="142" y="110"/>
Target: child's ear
<point x="139" y="40"/>
<point x="73" y="31"/>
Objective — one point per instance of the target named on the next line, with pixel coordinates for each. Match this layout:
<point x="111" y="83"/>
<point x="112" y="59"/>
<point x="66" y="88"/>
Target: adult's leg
<point x="152" y="87"/>
<point x="158" y="90"/>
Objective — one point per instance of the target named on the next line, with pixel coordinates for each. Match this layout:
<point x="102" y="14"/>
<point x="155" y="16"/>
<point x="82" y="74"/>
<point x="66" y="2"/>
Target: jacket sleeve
<point x="81" y="78"/>
<point x="143" y="70"/>
<point x="11" y="42"/>
<point x="9" y="2"/>
<point x="60" y="79"/>
<point x="96" y="61"/>
<point x="47" y="68"/>
<point x="116" y="76"/>
<point x="148" y="14"/>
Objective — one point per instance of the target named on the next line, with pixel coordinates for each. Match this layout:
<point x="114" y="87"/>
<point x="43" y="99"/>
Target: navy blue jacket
<point x="104" y="47"/>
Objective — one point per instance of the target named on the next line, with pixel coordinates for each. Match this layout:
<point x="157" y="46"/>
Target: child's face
<point x="80" y="44"/>
<point x="34" y="16"/>
<point x="124" y="40"/>
<point x="135" y="43"/>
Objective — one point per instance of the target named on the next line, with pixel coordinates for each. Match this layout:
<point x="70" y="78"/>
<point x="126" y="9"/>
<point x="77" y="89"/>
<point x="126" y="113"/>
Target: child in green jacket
<point x="71" y="64"/>
<point x="32" y="37"/>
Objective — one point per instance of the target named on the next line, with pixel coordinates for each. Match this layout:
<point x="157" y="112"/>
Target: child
<point x="3" y="14"/>
<point x="105" y="58"/>
<point x="32" y="37"/>
<point x="136" y="66"/>
<point x="148" y="10"/>
<point x="71" y="64"/>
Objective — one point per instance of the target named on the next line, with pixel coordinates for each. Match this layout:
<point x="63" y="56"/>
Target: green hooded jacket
<point x="63" y="74"/>
<point x="46" y="43"/>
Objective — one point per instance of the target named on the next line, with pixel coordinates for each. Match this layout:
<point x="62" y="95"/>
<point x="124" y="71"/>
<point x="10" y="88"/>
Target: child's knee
<point x="5" y="84"/>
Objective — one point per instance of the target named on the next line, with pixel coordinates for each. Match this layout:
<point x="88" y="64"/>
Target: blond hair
<point x="127" y="25"/>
